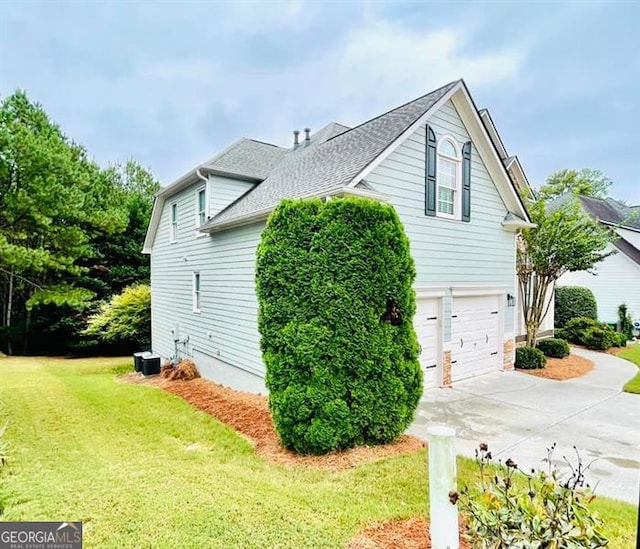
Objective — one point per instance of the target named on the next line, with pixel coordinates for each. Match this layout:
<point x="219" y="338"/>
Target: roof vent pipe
<point x="307" y="138"/>
<point x="296" y="133"/>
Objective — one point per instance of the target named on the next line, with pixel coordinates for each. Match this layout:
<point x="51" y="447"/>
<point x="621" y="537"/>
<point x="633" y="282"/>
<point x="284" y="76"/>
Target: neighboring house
<point x="436" y="159"/>
<point x="616" y="279"/>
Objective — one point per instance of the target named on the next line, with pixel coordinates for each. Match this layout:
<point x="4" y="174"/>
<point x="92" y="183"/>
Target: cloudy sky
<point x="172" y="83"/>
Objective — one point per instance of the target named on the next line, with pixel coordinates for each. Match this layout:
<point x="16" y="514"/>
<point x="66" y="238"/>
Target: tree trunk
<point x="27" y="326"/>
<point x="8" y="319"/>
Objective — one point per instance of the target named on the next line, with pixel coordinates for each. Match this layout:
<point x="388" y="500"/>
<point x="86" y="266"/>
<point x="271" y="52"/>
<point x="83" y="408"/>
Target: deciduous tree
<point x="565" y="239"/>
<point x="587" y="181"/>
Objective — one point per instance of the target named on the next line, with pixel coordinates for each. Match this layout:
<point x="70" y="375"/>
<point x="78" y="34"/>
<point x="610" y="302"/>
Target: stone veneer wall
<point x="508" y="354"/>
<point x="446" y="369"/>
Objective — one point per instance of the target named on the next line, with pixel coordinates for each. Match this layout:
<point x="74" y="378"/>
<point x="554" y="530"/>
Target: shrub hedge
<point x="554" y="348"/>
<point x="334" y="284"/>
<point x="530" y="358"/>
<point x="577" y="327"/>
<point x="592" y="334"/>
<point x="573" y="302"/>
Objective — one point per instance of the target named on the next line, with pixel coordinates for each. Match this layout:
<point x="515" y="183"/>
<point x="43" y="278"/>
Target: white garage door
<point x="426" y="323"/>
<point x="474" y="336"/>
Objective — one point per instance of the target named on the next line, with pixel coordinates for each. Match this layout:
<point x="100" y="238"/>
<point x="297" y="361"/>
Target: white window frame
<point x="173" y="222"/>
<point x="457" y="192"/>
<point x="198" y="212"/>
<point x="197" y="291"/>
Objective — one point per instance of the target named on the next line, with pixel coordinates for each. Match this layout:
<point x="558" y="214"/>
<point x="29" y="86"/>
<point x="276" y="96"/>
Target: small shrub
<point x="625" y="322"/>
<point x="577" y="327"/>
<point x="530" y="358"/>
<point x="513" y="508"/>
<point x="599" y="339"/>
<point x="573" y="302"/>
<point x="561" y="333"/>
<point x="554" y="348"/>
<point x="620" y="340"/>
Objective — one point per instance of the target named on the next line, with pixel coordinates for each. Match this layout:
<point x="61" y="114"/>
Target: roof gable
<point x="332" y="164"/>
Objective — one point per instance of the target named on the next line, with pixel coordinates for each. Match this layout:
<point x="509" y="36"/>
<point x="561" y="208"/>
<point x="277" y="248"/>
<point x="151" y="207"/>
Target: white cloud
<point x="375" y="67"/>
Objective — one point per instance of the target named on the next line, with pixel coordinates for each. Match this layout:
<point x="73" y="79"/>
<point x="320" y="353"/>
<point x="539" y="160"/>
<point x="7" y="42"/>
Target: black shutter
<point x="430" y="174"/>
<point x="466" y="181"/>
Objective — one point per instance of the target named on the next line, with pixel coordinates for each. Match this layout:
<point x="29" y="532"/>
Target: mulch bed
<point x="562" y="369"/>
<point x="411" y="533"/>
<point x="249" y="415"/>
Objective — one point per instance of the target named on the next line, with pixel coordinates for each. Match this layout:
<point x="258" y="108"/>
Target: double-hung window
<point x="173" y="231"/>
<point x="196" y="292"/>
<point x="448" y="178"/>
<point x="201" y="207"/>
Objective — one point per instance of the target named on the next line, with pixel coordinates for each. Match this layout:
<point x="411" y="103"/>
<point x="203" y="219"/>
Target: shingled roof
<point x="328" y="165"/>
<point x="249" y="158"/>
<point x="611" y="211"/>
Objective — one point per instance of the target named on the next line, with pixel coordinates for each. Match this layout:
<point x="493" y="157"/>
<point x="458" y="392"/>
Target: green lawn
<point x="632" y="353"/>
<point x="142" y="468"/>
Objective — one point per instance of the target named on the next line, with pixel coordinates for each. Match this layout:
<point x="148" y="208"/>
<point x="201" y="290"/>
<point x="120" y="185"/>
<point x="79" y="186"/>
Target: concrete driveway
<point x="519" y="415"/>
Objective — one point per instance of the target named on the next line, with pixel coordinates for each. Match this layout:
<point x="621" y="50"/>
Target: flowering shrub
<point x="515" y="509"/>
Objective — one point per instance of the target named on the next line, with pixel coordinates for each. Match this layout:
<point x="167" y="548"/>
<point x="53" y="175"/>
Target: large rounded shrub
<point x="334" y="283"/>
<point x="573" y="302"/>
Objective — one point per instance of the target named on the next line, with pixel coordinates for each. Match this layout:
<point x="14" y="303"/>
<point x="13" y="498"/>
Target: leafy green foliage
<point x="619" y="339"/>
<point x="587" y="181"/>
<point x="126" y="318"/>
<point x="599" y="339"/>
<point x="514" y="508"/>
<point x="625" y="322"/>
<point x="68" y="229"/>
<point x="530" y="358"/>
<point x="554" y="348"/>
<point x="573" y="302"/>
<point x="61" y="294"/>
<point x="592" y="334"/>
<point x="334" y="283"/>
<point x="576" y="328"/>
<point x="564" y="240"/>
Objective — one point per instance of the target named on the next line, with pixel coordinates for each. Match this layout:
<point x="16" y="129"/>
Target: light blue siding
<point x="223" y="191"/>
<point x="449" y="253"/>
<point x="223" y="338"/>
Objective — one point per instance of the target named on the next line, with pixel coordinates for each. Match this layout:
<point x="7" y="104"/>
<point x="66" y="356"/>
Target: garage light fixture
<point x="511" y="300"/>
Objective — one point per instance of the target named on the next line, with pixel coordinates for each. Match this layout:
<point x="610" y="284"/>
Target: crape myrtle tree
<point x="334" y="284"/>
<point x="565" y="239"/>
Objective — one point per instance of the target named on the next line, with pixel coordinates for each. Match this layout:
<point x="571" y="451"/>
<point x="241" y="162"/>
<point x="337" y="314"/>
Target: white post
<point x="443" y="515"/>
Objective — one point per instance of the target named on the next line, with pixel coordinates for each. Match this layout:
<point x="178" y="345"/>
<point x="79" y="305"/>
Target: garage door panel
<point x="474" y="336"/>
<point x="427" y="326"/>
